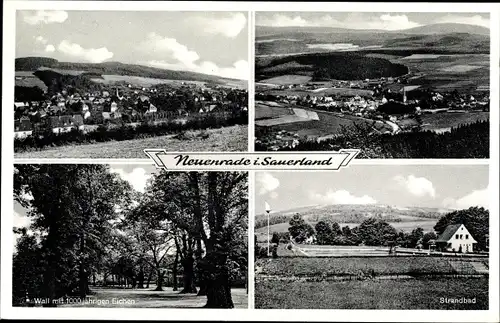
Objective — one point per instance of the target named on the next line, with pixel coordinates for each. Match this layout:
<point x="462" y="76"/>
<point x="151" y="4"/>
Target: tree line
<point x="377" y="232"/>
<point x="88" y="224"/>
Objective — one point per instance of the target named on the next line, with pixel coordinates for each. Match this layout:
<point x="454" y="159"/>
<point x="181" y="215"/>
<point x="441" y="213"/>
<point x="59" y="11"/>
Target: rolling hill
<point x="447" y="28"/>
<point x="113" y="68"/>
<point x="353" y="214"/>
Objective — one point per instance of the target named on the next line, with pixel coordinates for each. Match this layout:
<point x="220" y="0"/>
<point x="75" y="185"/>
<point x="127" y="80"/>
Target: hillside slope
<point x="114" y="68"/>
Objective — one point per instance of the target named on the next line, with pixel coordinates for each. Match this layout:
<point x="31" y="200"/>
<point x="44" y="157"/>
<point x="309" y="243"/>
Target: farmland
<point x="139" y="80"/>
<point x="328" y="123"/>
<point x="233" y="138"/>
<point x="448" y="120"/>
<point x="408" y="294"/>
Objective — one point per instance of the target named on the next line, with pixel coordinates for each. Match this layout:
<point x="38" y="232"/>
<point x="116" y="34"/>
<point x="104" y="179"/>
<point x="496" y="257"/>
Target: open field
<point x="326" y="91"/>
<point x="328" y="124"/>
<point x="148" y="298"/>
<point x="140" y="81"/>
<point x="234" y="138"/>
<point x="448" y="72"/>
<point x="372" y="266"/>
<point x="264" y="111"/>
<point x="288" y="79"/>
<point x="372" y="294"/>
<point x="450" y="120"/>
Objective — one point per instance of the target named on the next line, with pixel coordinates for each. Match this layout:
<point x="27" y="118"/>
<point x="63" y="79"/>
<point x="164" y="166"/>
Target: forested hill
<point x="344" y="213"/>
<point x="113" y="68"/>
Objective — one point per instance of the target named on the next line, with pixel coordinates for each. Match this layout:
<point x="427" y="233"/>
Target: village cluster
<point x="403" y="101"/>
<point x="122" y="104"/>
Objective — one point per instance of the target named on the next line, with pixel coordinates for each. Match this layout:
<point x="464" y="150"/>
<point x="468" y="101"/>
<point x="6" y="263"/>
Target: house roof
<point x="65" y="121"/>
<point x="448" y="233"/>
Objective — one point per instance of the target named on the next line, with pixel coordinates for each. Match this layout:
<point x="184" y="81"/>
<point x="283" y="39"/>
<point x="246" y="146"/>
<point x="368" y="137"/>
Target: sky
<point x="443" y="187"/>
<point x="367" y="20"/>
<point x="206" y="42"/>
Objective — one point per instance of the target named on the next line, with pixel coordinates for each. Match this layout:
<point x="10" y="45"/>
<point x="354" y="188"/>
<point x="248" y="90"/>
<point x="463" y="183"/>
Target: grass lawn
<point x="148" y="298"/>
<point x="372" y="294"/>
<point x="333" y="266"/>
<point x="234" y="138"/>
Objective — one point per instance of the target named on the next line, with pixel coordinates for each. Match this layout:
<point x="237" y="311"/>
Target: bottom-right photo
<point x="373" y="237"/>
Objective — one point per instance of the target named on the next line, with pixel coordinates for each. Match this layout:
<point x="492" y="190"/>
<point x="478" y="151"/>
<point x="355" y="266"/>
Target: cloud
<point x="40" y="40"/>
<point x="477" y="20"/>
<point x="50" y="48"/>
<point x="21" y="221"/>
<point x="266" y="183"/>
<point x="280" y="20"/>
<point x="171" y="47"/>
<point x="352" y="21"/>
<point x="176" y="56"/>
<point x="475" y="198"/>
<point x="93" y="55"/>
<point x="138" y="178"/>
<point x="418" y="186"/>
<point x="340" y="197"/>
<point x="45" y="17"/>
<point x="230" y="26"/>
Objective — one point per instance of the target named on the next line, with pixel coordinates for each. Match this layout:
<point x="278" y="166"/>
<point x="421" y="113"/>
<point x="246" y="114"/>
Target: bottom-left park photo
<point x="129" y="235"/>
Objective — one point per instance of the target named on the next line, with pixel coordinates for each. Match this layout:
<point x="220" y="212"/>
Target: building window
<point x="466" y="237"/>
<point x="456" y="236"/>
<point x="461" y="237"/>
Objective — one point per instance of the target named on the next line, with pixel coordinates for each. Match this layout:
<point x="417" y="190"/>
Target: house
<point x="65" y="123"/>
<point x="456" y="238"/>
<point x="18" y="105"/>
<point x="22" y="128"/>
<point x="151" y="109"/>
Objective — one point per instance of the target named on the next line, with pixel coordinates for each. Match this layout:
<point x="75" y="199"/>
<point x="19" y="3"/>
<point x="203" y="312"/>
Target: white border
<point x="7" y="311"/>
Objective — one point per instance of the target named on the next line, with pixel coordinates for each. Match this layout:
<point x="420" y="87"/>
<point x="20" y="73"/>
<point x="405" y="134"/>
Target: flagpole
<point x="268" y="210"/>
<point x="268" y="233"/>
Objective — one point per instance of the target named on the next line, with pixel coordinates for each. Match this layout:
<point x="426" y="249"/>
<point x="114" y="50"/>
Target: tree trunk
<point x="217" y="282"/>
<point x="140" y="278"/>
<point x="174" y="271"/>
<point x="159" y="281"/>
<point x="149" y="278"/>
<point x="199" y="276"/>
<point x="188" y="275"/>
<point x="82" y="276"/>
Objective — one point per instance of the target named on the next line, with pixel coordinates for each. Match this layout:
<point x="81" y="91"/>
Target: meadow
<point x="449" y="120"/>
<point x="234" y="138"/>
<point x="356" y="266"/>
<point x="139" y="80"/>
<point x="372" y="294"/>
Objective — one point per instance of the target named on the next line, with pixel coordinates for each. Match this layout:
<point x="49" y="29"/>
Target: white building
<point x="456" y="238"/>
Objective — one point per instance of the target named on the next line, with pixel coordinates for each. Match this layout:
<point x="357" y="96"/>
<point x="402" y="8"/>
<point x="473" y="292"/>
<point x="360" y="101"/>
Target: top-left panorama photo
<point x="109" y="84"/>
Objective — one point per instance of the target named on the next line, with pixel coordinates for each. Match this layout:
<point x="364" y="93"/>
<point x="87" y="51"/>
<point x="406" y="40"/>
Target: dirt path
<point x="148" y="298"/>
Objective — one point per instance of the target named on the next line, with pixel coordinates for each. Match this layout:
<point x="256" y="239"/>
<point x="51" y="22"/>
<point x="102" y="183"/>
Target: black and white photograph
<point x="108" y="84"/>
<point x="344" y="240"/>
<point x="395" y="85"/>
<point x="94" y="235"/>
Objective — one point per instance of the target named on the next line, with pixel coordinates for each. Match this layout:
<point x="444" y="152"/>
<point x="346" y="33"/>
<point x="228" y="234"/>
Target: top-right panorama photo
<point x="394" y="85"/>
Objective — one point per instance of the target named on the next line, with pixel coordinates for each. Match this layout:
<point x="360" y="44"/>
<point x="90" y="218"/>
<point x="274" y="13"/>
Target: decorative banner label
<point x="242" y="161"/>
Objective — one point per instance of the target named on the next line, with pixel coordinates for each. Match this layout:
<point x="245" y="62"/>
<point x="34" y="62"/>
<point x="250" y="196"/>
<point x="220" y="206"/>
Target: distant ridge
<point x="115" y="68"/>
<point x="447" y="28"/>
<point x="441" y="28"/>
